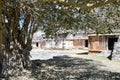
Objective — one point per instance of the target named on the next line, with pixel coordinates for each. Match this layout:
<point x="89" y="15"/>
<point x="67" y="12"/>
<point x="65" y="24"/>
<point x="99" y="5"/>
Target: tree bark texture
<point x="16" y="40"/>
<point x="1" y="54"/>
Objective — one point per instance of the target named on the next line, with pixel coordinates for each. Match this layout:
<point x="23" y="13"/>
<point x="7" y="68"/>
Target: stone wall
<point x="116" y="51"/>
<point x="80" y="43"/>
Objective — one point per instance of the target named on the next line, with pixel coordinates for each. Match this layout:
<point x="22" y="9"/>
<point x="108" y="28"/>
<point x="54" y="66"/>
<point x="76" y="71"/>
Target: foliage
<point x="106" y="19"/>
<point x="60" y="18"/>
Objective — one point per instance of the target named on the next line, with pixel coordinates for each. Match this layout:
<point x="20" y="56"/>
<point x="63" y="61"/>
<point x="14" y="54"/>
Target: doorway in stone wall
<point x="111" y="42"/>
<point x="37" y="44"/>
<point x="86" y="43"/>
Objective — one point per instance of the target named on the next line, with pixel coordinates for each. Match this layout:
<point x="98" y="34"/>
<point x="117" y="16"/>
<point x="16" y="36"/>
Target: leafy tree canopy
<point x="73" y="15"/>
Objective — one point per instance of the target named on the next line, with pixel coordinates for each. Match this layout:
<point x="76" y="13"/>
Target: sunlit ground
<point x="69" y="65"/>
<point x="69" y="68"/>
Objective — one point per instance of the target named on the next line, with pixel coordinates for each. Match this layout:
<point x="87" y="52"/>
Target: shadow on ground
<point x="84" y="53"/>
<point x="68" y="68"/>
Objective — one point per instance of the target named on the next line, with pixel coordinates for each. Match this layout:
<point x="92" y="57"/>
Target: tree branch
<point x="82" y="6"/>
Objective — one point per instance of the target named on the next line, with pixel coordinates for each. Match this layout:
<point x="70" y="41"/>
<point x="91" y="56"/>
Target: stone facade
<point x="80" y="43"/>
<point x="101" y="42"/>
<point x="97" y="43"/>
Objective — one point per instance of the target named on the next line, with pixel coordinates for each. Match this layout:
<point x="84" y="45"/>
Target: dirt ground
<point x="109" y="65"/>
<point x="78" y="65"/>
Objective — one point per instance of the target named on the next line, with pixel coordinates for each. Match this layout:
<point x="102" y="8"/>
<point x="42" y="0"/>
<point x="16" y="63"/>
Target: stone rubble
<point x="105" y="53"/>
<point x="116" y="51"/>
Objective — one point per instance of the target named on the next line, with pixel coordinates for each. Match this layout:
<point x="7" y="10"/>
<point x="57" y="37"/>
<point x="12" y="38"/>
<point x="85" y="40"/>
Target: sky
<point x="21" y="21"/>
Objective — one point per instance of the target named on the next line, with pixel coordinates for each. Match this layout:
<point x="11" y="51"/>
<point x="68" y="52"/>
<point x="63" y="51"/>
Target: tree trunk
<point x="1" y="54"/>
<point x="15" y="60"/>
<point x="16" y="40"/>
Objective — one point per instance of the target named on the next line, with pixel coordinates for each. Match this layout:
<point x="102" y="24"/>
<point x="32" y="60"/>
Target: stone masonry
<point x="116" y="51"/>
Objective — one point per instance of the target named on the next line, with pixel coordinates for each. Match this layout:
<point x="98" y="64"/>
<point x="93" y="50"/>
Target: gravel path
<point x="49" y="54"/>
